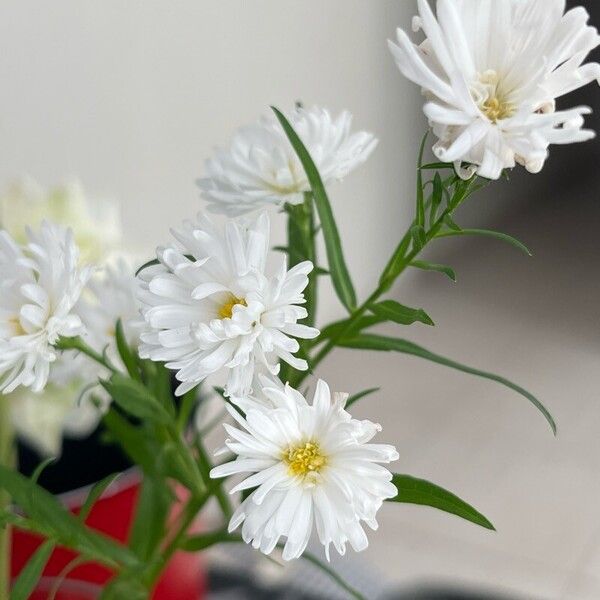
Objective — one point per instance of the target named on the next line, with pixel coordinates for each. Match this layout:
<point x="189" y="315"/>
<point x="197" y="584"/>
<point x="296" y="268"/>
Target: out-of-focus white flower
<point x="491" y="72"/>
<point x="40" y="283"/>
<point x="70" y="405"/>
<point x="209" y="305"/>
<point x="96" y="225"/>
<point x="260" y="167"/>
<point x="312" y="467"/>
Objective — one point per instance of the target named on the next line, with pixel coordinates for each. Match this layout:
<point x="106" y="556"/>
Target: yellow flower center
<point x="226" y="310"/>
<point x="496" y="109"/>
<point x="15" y="324"/>
<point x="304" y="459"/>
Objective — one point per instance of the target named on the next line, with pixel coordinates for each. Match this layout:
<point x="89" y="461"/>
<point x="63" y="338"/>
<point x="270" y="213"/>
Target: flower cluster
<point x="40" y="284"/>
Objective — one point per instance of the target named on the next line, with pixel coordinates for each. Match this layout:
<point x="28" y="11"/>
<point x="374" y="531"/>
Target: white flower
<point x="96" y="225"/>
<point x="491" y="71"/>
<point x="261" y="168"/>
<point x="69" y="405"/>
<point x="312" y="466"/>
<point x="40" y="284"/>
<point x="209" y="305"/>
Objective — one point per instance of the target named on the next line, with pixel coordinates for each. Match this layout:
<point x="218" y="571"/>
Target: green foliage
<point x="340" y="275"/>
<point x="135" y="399"/>
<point x="32" y="571"/>
<point x="356" y="397"/>
<point x="504" y="237"/>
<point x="94" y="494"/>
<point x="390" y="310"/>
<point x="50" y="518"/>
<point x="427" y="266"/>
<point x="388" y="344"/>
<point x="418" y="491"/>
<point x="127" y="356"/>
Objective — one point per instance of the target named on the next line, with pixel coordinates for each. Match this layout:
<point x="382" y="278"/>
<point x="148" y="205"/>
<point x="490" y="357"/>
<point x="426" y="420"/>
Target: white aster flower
<point x="491" y="71"/>
<point x="96" y="225"/>
<point x="69" y="405"/>
<point x="40" y="283"/>
<point x="209" y="305"/>
<point x="312" y="466"/>
<point x="261" y="168"/>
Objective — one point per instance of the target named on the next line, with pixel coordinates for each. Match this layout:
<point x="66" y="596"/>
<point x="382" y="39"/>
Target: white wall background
<point x="131" y="97"/>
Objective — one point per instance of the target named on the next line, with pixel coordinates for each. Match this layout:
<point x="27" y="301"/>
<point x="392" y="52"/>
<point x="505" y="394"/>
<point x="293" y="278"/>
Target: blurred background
<point x="130" y="97"/>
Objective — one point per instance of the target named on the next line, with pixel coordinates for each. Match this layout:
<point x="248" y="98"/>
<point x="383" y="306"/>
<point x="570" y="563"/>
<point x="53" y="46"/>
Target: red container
<point x="113" y="515"/>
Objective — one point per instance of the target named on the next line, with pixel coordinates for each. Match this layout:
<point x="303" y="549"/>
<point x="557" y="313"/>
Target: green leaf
<point x="336" y="328"/>
<point x="436" y="165"/>
<point x="418" y="491"/>
<point x="149" y="526"/>
<point x="340" y="275"/>
<point x="436" y="197"/>
<point x="125" y="586"/>
<point x="127" y="356"/>
<point x="427" y="266"/>
<point x="390" y="310"/>
<point x="97" y="490"/>
<point x="420" y="209"/>
<point x="419" y="237"/>
<point x="356" y="397"/>
<point x="41" y="468"/>
<point x="382" y="343"/>
<point x="134" y="398"/>
<point x="50" y="517"/>
<point x="488" y="233"/>
<point x="32" y="571"/>
<point x="448" y="219"/>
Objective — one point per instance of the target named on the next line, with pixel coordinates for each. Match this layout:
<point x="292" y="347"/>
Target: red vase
<point x="112" y="514"/>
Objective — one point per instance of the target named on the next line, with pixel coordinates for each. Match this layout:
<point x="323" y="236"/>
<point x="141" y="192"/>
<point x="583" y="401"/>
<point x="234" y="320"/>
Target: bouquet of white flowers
<point x="214" y="303"/>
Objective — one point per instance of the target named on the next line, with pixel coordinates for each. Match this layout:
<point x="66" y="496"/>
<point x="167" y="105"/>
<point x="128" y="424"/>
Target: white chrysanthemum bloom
<point x="69" y="405"/>
<point x="40" y="283"/>
<point x="312" y="466"/>
<point x="261" y="167"/>
<point x="209" y="305"/>
<point x="491" y="72"/>
<point x="96" y="225"/>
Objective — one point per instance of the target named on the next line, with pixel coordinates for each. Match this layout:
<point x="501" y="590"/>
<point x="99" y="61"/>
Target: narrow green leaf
<point x="134" y="398"/>
<point x="448" y="219"/>
<point x="97" y="490"/>
<point x="150" y="263"/>
<point x="356" y="397"/>
<point x="125" y="352"/>
<point x="336" y="328"/>
<point x="149" y="526"/>
<point x="41" y="468"/>
<point x="436" y="197"/>
<point x="382" y="343"/>
<point x="45" y="511"/>
<point x="418" y="491"/>
<point x="420" y="209"/>
<point x="504" y="237"/>
<point x="340" y="275"/>
<point x="390" y="310"/>
<point x="32" y="571"/>
<point x="436" y="165"/>
<point x="427" y="266"/>
<point x="419" y="237"/>
<point x="125" y="586"/>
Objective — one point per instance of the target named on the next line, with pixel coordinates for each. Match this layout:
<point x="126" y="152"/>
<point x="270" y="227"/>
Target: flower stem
<point x="76" y="343"/>
<point x="401" y="259"/>
<point x="7" y="458"/>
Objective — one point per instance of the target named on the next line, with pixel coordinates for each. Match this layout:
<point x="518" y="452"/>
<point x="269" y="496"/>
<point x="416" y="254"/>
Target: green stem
<point x="7" y="458"/>
<point x="400" y="260"/>
<point x="76" y="343"/>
